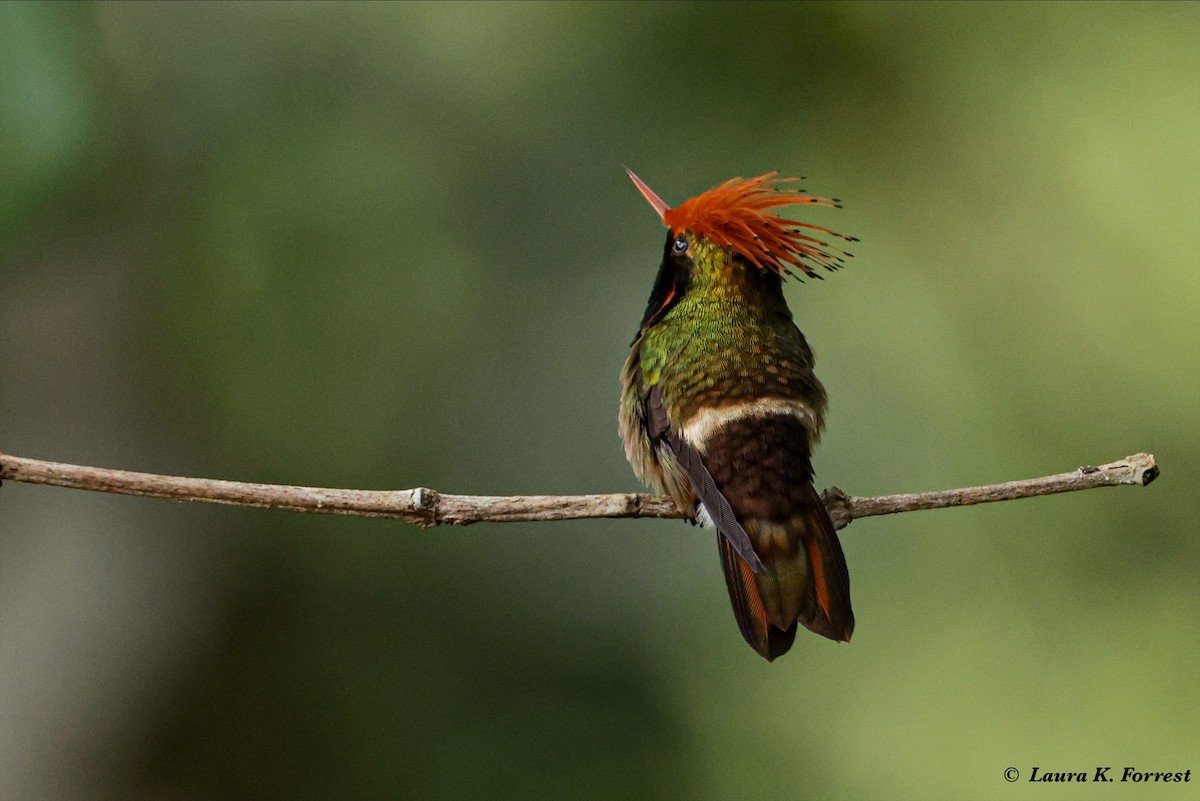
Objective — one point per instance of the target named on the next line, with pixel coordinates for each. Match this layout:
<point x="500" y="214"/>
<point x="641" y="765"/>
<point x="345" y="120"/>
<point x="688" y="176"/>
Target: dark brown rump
<point x="762" y="465"/>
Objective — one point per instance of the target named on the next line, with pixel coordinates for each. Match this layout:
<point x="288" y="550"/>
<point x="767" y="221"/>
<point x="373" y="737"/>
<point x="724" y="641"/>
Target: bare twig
<point x="428" y="507"/>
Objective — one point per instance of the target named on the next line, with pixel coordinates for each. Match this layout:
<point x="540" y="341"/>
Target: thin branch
<point x="428" y="507"/>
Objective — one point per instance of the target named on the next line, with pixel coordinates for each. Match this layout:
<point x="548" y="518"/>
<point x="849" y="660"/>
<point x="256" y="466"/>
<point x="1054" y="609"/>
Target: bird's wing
<point x="658" y="425"/>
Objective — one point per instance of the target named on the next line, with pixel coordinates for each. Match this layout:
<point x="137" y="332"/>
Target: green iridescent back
<point x="729" y="339"/>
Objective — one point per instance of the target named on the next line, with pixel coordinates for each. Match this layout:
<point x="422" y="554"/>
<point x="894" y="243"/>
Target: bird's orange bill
<point x="660" y="205"/>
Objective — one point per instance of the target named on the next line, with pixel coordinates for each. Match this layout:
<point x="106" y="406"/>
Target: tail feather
<point x="830" y="587"/>
<point x="768" y="640"/>
<point x="808" y="585"/>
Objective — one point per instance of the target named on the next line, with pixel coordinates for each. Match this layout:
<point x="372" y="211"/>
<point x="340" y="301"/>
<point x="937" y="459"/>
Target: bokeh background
<point x="393" y="245"/>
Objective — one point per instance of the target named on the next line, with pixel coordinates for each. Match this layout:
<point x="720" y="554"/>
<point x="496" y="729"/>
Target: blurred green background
<point x="393" y="245"/>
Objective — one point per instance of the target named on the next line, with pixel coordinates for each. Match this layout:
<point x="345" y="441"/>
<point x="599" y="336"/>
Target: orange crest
<point x="737" y="214"/>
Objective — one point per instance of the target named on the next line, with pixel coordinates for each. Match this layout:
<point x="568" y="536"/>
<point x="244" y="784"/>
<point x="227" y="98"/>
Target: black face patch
<point x="674" y="278"/>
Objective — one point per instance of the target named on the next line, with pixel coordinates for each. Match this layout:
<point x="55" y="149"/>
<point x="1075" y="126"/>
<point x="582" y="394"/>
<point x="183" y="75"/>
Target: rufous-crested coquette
<point x="720" y="408"/>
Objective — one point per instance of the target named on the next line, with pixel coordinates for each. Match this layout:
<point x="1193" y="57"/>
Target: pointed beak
<point x="648" y="193"/>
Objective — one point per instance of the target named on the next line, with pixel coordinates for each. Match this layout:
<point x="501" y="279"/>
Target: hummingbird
<point x="720" y="408"/>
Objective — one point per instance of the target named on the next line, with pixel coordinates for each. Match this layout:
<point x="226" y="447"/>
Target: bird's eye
<point x="680" y="246"/>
